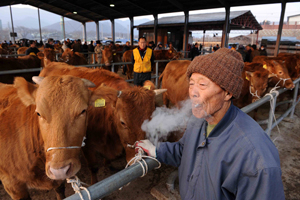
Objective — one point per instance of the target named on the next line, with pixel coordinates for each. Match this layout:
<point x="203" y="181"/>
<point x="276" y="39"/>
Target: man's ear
<point x="104" y="95"/>
<point x="26" y="91"/>
<point x="228" y="96"/>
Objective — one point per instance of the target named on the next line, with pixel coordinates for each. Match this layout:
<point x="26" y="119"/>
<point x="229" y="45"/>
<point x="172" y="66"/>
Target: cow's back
<point x="175" y="81"/>
<point x="97" y="76"/>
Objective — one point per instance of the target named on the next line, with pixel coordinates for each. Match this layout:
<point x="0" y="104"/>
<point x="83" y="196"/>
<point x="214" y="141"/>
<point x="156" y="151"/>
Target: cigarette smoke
<point x="165" y="120"/>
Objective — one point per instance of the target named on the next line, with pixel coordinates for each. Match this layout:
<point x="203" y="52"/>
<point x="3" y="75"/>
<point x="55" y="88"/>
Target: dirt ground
<point x="287" y="141"/>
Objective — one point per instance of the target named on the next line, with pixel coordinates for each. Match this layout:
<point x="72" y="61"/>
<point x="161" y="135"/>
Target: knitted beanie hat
<point x="224" y="67"/>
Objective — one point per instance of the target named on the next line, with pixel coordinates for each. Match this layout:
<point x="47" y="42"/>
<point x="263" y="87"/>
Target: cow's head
<point x="133" y="107"/>
<point x="107" y="56"/>
<point x="61" y="104"/>
<point x="281" y="76"/>
<point x="171" y="54"/>
<point x="49" y="56"/>
<point x="258" y="82"/>
<point x="67" y="55"/>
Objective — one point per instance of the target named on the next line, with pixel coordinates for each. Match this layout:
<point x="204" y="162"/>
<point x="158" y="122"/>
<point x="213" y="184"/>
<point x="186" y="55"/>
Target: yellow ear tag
<point x="100" y="103"/>
<point x="147" y="87"/>
<point x="247" y="78"/>
<point x="265" y="66"/>
<point x="115" y="54"/>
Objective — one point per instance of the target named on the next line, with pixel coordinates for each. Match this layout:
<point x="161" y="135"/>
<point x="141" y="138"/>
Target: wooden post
<point x="283" y="4"/>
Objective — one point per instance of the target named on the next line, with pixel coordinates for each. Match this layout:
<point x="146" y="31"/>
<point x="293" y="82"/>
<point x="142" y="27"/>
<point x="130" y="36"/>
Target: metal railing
<point x="114" y="182"/>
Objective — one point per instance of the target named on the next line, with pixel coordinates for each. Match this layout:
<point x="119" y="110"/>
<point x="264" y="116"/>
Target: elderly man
<point x="224" y="154"/>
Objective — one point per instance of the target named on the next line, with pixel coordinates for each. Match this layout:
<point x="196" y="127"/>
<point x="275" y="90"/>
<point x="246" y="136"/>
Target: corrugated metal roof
<point x="197" y="18"/>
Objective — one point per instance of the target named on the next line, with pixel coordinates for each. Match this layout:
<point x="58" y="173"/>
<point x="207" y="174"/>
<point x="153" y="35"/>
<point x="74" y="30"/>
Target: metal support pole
<point x="226" y="28"/>
<point x="97" y="30"/>
<point x="283" y="4"/>
<point x="94" y="57"/>
<point x="257" y="37"/>
<point x="113" y="67"/>
<point x="64" y="27"/>
<point x="186" y="31"/>
<point x="113" y="35"/>
<point x="155" y="28"/>
<point x="156" y="74"/>
<point x="12" y="25"/>
<point x="40" y="28"/>
<point x="203" y="38"/>
<point x="114" y="182"/>
<point x="56" y="56"/>
<point x="131" y="30"/>
<point x="84" y="31"/>
<point x="294" y="99"/>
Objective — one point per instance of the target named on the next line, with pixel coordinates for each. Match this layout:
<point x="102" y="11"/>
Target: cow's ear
<point x="26" y="91"/>
<point x="103" y="95"/>
<point x="149" y="85"/>
<point x="248" y="75"/>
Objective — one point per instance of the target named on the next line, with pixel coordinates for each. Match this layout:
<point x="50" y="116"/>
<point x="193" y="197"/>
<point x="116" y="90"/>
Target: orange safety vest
<point x="142" y="66"/>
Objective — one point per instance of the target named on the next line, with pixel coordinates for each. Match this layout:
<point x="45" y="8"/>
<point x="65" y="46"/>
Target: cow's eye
<point x="38" y="114"/>
<point x="280" y="73"/>
<point x="123" y="124"/>
<point x="82" y="112"/>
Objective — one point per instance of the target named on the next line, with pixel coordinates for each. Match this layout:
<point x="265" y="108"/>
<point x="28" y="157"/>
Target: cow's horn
<point x="88" y="83"/>
<point x="37" y="79"/>
<point x="159" y="91"/>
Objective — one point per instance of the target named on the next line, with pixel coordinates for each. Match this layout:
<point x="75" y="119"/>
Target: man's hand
<point x="148" y="147"/>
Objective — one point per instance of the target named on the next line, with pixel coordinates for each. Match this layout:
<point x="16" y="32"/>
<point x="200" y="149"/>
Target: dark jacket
<point x="47" y="45"/>
<point x="263" y="52"/>
<point x="194" y="52"/>
<point x="236" y="161"/>
<point x="91" y="48"/>
<point x="126" y="48"/>
<point x="32" y="50"/>
<point x="253" y="54"/>
<point x="77" y="47"/>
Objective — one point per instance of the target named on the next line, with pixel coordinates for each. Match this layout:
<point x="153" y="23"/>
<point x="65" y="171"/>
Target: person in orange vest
<point x="142" y="59"/>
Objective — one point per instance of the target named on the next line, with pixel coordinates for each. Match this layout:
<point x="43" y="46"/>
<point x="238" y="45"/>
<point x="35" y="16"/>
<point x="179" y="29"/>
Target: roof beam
<point x="224" y="3"/>
<point x="81" y="7"/>
<point x="109" y="8"/>
<point x="176" y="4"/>
<point x="134" y="4"/>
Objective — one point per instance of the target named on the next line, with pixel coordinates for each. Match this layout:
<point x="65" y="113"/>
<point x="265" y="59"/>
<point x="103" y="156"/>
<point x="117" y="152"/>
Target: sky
<point x="269" y="12"/>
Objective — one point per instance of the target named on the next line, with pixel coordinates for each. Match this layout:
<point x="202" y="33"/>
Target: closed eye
<point x="83" y="111"/>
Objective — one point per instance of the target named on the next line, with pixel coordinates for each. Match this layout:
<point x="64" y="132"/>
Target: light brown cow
<point x="72" y="58"/>
<point x="277" y="68"/>
<point x="292" y="62"/>
<point x="174" y="80"/>
<point x="22" y="50"/>
<point x="38" y="124"/>
<point x="115" y="125"/>
<point x="110" y="56"/>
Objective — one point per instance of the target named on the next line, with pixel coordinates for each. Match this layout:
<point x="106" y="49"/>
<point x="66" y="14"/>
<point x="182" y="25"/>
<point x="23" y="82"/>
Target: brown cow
<point x="22" y="50"/>
<point x="254" y="86"/>
<point x="110" y="56"/>
<point x="38" y="122"/>
<point x="127" y="57"/>
<point x="115" y="125"/>
<point x="174" y="80"/>
<point x="276" y="67"/>
<point x="292" y="62"/>
<point x="25" y="62"/>
<point x="72" y="58"/>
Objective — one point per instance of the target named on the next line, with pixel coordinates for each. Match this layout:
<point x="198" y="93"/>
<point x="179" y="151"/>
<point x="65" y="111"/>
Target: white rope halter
<point x="70" y="147"/>
<point x="77" y="187"/>
<point x="254" y="94"/>
<point x="138" y="158"/>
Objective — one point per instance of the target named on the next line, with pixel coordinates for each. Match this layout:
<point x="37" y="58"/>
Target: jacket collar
<point x="225" y="121"/>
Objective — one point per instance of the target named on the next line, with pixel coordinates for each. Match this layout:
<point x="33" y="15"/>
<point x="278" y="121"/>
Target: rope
<point x="71" y="147"/>
<point x="254" y="94"/>
<point x="77" y="187"/>
<point x="274" y="90"/>
<point x="139" y="158"/>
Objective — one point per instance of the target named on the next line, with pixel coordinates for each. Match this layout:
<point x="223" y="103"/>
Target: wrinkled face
<point x="132" y="109"/>
<point x="283" y="79"/>
<point x="207" y="97"/>
<point x="107" y="56"/>
<point x="142" y="43"/>
<point x="61" y="104"/>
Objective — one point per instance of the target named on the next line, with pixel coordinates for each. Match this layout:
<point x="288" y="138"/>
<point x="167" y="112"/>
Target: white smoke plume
<point x="165" y="120"/>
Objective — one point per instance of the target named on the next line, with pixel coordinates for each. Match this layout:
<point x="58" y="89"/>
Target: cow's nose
<point x="59" y="174"/>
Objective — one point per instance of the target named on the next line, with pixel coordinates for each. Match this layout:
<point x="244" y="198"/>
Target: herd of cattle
<point x="43" y="125"/>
